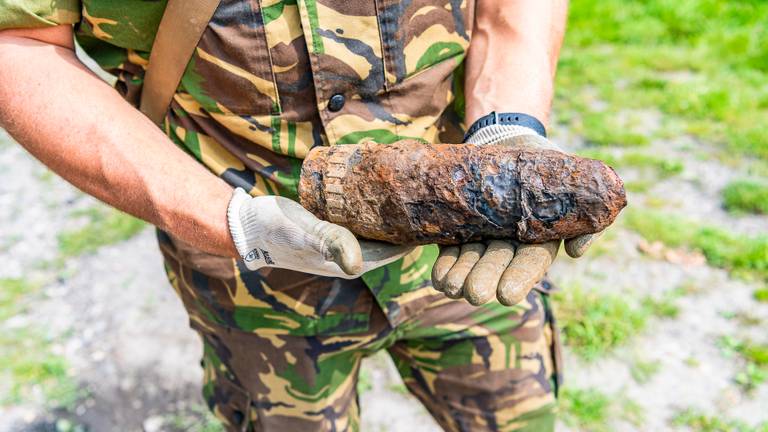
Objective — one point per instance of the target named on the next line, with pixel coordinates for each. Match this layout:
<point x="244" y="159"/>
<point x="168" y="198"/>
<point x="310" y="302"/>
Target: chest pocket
<point x="418" y="34"/>
<point x="231" y="69"/>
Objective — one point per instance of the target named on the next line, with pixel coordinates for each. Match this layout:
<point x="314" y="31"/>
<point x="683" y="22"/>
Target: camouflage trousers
<point x="489" y="368"/>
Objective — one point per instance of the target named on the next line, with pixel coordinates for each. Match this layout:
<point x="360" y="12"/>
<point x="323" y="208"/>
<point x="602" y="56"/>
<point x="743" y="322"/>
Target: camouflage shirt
<point x="270" y="79"/>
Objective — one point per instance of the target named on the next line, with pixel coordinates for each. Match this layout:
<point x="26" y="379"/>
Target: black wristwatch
<point x="518" y="119"/>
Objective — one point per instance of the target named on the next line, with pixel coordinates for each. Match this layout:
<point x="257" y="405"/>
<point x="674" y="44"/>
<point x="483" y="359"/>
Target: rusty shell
<point x="412" y="193"/>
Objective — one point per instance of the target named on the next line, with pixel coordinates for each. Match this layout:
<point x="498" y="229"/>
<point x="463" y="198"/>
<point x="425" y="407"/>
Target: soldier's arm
<point x="510" y="67"/>
<point x="513" y="57"/>
<point x="83" y="130"/>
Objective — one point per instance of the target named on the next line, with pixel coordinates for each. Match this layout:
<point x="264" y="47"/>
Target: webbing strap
<point x="181" y="28"/>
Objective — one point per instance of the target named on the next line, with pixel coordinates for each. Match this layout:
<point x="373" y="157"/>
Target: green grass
<point x="587" y="409"/>
<point x="701" y="63"/>
<point x="698" y="421"/>
<point x="741" y="254"/>
<point x="639" y="186"/>
<point x="198" y="419"/>
<point x="661" y="166"/>
<point x="12" y="293"/>
<point x="666" y="305"/>
<point x="601" y="129"/>
<point x="364" y="381"/>
<point x="755" y="356"/>
<point x="66" y="425"/>
<point x="744" y="318"/>
<point x="761" y="295"/>
<point x="399" y="388"/>
<point x="105" y="226"/>
<point x="643" y="371"/>
<point x="593" y="323"/>
<point x="27" y="361"/>
<point x="590" y="409"/>
<point x="746" y="196"/>
<point x="692" y="362"/>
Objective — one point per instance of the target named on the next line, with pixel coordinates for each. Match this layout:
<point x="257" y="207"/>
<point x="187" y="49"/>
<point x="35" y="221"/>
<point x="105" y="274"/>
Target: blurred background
<point x="664" y="322"/>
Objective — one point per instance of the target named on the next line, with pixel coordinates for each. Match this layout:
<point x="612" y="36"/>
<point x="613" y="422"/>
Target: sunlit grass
<point x="105" y="226"/>
<point x="703" y="64"/>
<point x="747" y="196"/>
<point x="28" y="364"/>
<point x="585" y="408"/>
<point x="590" y="409"/>
<point x="700" y="421"/>
<point x="660" y="167"/>
<point x="745" y="255"/>
<point x="593" y="323"/>
<point x="755" y="357"/>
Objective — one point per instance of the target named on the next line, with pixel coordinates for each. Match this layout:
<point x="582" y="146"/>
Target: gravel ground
<point x="125" y="336"/>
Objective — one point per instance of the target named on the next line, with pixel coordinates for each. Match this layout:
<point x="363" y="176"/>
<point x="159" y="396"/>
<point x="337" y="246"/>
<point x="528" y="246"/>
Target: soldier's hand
<point x="275" y="231"/>
<point x="478" y="271"/>
<point x="504" y="269"/>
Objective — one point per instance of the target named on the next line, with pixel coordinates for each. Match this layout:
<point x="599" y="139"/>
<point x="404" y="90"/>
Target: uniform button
<point x="337" y="102"/>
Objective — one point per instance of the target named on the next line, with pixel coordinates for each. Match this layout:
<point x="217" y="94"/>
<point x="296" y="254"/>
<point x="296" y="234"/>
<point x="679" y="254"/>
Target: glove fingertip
<point x="345" y="251"/>
<point x="578" y="246"/>
<point x="510" y="294"/>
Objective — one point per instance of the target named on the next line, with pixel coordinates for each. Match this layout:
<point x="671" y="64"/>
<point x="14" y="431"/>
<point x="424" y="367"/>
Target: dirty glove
<point x="273" y="231"/>
<point x="506" y="269"/>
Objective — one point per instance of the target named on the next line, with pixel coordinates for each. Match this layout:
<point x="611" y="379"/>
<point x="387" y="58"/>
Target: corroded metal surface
<point x="413" y="193"/>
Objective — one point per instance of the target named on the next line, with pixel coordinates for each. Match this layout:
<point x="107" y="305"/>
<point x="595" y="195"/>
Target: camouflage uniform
<point x="269" y="80"/>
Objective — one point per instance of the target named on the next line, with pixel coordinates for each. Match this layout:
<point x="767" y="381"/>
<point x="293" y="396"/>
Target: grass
<point x="701" y="63"/>
<point x="600" y="129"/>
<point x="198" y="419"/>
<point x="643" y="371"/>
<point x="741" y="254"/>
<point x="755" y="357"/>
<point x="105" y="226"/>
<point x="593" y="323"/>
<point x="697" y="421"/>
<point x="661" y="166"/>
<point x="666" y="305"/>
<point x="639" y="186"/>
<point x="744" y="318"/>
<point x="692" y="362"/>
<point x="399" y="388"/>
<point x="590" y="409"/>
<point x="761" y="295"/>
<point x="585" y="408"/>
<point x="746" y="196"/>
<point x="364" y="381"/>
<point x="66" y="425"/>
<point x="28" y="364"/>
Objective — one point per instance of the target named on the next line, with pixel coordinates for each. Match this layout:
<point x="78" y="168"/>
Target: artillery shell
<point x="413" y="193"/>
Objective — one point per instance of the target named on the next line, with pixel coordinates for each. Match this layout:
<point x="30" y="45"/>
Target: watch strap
<point x="519" y="119"/>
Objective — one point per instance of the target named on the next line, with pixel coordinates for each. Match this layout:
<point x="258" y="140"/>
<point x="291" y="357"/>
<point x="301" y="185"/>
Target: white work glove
<point x="273" y="231"/>
<point x="504" y="269"/>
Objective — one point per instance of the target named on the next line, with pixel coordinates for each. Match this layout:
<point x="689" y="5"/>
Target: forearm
<point x="513" y="57"/>
<point x="82" y="129"/>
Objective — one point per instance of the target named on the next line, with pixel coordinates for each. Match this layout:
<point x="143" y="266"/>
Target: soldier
<point x="286" y="305"/>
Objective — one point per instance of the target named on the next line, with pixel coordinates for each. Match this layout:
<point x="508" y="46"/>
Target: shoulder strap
<point x="180" y="31"/>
